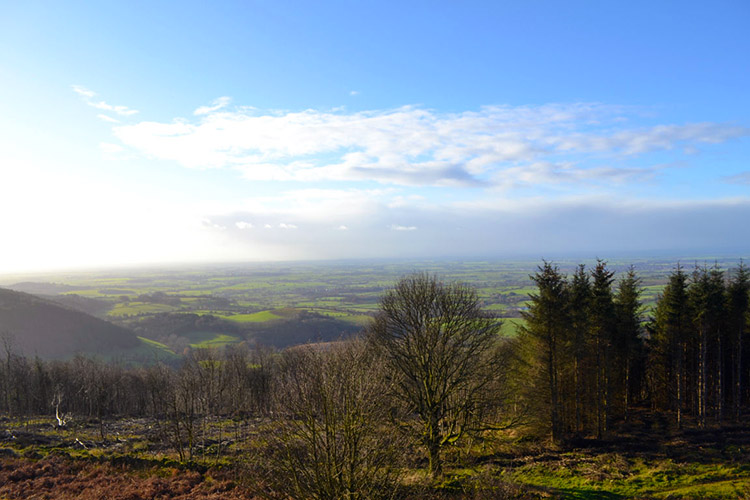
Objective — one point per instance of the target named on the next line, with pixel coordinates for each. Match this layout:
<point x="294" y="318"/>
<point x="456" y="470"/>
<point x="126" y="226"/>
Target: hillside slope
<point x="40" y="327"/>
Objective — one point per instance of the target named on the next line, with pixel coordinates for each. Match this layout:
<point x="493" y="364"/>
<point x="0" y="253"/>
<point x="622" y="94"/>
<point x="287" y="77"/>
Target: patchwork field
<point x="255" y="300"/>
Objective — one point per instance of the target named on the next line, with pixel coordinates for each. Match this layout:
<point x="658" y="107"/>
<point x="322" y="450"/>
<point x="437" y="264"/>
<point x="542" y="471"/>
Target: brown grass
<point x="57" y="477"/>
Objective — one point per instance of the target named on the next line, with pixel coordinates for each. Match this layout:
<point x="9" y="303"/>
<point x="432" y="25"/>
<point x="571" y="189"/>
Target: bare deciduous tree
<point x="331" y="443"/>
<point x="437" y="342"/>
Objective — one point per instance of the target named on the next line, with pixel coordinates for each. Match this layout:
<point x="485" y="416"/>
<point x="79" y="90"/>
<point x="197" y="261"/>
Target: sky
<point x="148" y="132"/>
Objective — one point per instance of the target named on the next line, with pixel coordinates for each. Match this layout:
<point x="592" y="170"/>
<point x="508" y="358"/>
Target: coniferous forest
<point x="595" y="356"/>
<point x="428" y="401"/>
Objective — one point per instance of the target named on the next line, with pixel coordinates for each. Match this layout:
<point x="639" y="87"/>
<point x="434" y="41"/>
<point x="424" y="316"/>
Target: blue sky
<point x="170" y="132"/>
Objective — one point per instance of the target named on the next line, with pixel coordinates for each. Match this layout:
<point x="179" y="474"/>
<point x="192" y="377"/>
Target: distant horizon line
<point x="583" y="257"/>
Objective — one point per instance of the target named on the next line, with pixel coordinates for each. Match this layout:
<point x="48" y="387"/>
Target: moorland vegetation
<point x="592" y="398"/>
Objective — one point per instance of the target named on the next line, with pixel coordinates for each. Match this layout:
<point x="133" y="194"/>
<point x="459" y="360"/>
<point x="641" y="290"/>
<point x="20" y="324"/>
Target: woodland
<point x="593" y="396"/>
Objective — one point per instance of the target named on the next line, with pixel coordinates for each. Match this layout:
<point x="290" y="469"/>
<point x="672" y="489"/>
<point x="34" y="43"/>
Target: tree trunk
<point x="578" y="393"/>
<point x="719" y="381"/>
<point x="678" y="373"/>
<point x="554" y="396"/>
<point x="738" y="380"/>
<point x="433" y="449"/>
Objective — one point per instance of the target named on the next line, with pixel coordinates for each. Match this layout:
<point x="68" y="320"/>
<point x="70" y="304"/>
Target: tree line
<point x="595" y="356"/>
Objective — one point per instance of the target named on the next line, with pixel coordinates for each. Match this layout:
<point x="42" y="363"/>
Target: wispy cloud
<point x="741" y="178"/>
<point x="89" y="98"/>
<point x="420" y="147"/>
<point x="546" y="173"/>
<point x="83" y="91"/>
<point x="396" y="227"/>
<point x="108" y="118"/>
<point x="658" y="138"/>
<point x="211" y="224"/>
<point x="216" y="105"/>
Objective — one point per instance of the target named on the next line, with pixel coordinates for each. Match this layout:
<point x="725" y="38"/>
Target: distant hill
<point x="94" y="307"/>
<point x="41" y="327"/>
<point x="296" y="327"/>
<point x="40" y="288"/>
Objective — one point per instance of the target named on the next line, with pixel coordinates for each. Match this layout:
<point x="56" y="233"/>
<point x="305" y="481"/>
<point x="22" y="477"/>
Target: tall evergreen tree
<point x="718" y="344"/>
<point x="580" y="304"/>
<point x="543" y="338"/>
<point x="738" y="306"/>
<point x="671" y="334"/>
<point x="704" y="361"/>
<point x="629" y="340"/>
<point x="602" y="318"/>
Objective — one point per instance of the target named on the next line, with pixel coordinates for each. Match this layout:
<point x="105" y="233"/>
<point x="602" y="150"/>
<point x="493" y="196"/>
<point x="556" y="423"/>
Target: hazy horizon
<point x="155" y="134"/>
<point x="567" y="262"/>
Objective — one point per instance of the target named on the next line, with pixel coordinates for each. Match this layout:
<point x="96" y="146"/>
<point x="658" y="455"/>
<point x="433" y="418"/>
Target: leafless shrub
<point x="330" y="442"/>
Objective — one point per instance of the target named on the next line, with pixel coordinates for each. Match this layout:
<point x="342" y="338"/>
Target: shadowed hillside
<point x="40" y="327"/>
<point x="300" y="327"/>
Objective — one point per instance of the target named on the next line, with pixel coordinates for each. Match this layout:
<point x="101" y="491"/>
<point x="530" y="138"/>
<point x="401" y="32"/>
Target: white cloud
<point x="243" y="225"/>
<point x="332" y="206"/>
<point x="88" y="97"/>
<point x="396" y="227"/>
<point x="658" y="138"/>
<point x="83" y="91"/>
<point x="209" y="223"/>
<point x="120" y="110"/>
<point x="342" y="227"/>
<point x="546" y="173"/>
<point x="108" y="119"/>
<point x="216" y="105"/>
<point x="353" y="92"/>
<point x="414" y="146"/>
<point x="287" y="226"/>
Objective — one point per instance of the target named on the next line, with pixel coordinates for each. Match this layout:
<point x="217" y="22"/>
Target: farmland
<point x="264" y="302"/>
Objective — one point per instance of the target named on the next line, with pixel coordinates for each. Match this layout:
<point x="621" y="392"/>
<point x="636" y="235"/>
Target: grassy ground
<point x="616" y="475"/>
<point x="64" y="463"/>
<point x="510" y="326"/>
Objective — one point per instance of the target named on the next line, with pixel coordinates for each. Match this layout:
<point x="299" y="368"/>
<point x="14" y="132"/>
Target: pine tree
<point x="704" y="362"/>
<point x="738" y="305"/>
<point x="629" y="340"/>
<point x="543" y="337"/>
<point x="580" y="304"/>
<point x="718" y="343"/>
<point x="671" y="335"/>
<point x="602" y="328"/>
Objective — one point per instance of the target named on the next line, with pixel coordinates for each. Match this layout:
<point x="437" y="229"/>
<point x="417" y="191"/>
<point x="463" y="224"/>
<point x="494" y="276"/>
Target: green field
<point x="258" y="317"/>
<point x="203" y="340"/>
<point x="138" y="308"/>
<point x="510" y="326"/>
<point x="262" y="295"/>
